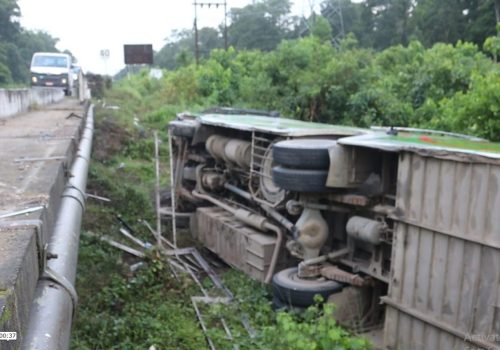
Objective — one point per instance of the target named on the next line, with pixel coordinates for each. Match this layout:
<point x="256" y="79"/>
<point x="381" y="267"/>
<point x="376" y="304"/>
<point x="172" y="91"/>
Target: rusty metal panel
<point x="445" y="273"/>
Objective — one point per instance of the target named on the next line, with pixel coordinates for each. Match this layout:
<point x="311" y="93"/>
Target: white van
<point x="50" y="69"/>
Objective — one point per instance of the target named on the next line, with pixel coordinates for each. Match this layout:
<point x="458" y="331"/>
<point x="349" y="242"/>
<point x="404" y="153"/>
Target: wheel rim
<point x="270" y="191"/>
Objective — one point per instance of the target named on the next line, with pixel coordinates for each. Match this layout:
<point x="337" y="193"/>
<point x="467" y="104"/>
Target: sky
<point x="86" y="27"/>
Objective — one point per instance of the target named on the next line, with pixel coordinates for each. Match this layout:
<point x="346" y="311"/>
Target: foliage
<point x="179" y="50"/>
<point x="120" y="310"/>
<point x="377" y="24"/>
<point x="476" y="113"/>
<point x="322" y="29"/>
<point x="9" y="16"/>
<point x="309" y="79"/>
<point x="316" y="329"/>
<point x="17" y="45"/>
<point x="492" y="44"/>
<point x="260" y="25"/>
<point x="383" y="23"/>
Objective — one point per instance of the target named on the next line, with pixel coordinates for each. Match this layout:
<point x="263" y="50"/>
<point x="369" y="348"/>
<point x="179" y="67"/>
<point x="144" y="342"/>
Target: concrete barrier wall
<point x="15" y="101"/>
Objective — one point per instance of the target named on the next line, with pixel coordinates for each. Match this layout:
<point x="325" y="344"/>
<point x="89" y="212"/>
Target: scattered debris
<point x="195" y="301"/>
<point x="187" y="261"/>
<point x="74" y="115"/>
<point x="127" y="234"/>
<point x="136" y="266"/>
<point x="184" y="260"/>
<point x="124" y="223"/>
<point x="157" y="192"/>
<point x="116" y="244"/>
<point x="21" y="212"/>
<point x="104" y="199"/>
<point x="40" y="159"/>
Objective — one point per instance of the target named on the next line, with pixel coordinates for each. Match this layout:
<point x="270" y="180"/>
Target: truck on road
<point x="51" y="69"/>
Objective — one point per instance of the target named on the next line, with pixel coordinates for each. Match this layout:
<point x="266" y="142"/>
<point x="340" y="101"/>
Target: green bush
<point x="310" y="80"/>
<point x="476" y="112"/>
<point x="316" y="329"/>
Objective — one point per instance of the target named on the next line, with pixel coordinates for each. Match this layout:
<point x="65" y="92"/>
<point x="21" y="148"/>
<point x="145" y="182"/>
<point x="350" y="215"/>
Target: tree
<point x="9" y="15"/>
<point x="322" y="29"/>
<point x="390" y="22"/>
<point x="178" y="41"/>
<point x="179" y="51"/>
<point x="480" y="20"/>
<point x="17" y="45"/>
<point x="22" y="49"/>
<point x="357" y="19"/>
<point x="383" y="23"/>
<point x="451" y="20"/>
<point x="497" y="10"/>
<point x="492" y="44"/>
<point x="5" y="74"/>
<point x="260" y="25"/>
<point x="375" y="23"/>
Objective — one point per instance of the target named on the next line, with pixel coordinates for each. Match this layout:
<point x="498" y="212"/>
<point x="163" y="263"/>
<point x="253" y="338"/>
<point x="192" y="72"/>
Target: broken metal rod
<point x="212" y="300"/>
<point x="178" y="266"/>
<point x="21" y="212"/>
<point x="134" y="239"/>
<point x="155" y="234"/>
<point x="124" y="223"/>
<point x="157" y="190"/>
<point x="169" y="252"/>
<point x="104" y="199"/>
<point x="38" y="159"/>
<point x="118" y="245"/>
<point x="205" y="266"/>
<point x="172" y="188"/>
<point x="202" y="323"/>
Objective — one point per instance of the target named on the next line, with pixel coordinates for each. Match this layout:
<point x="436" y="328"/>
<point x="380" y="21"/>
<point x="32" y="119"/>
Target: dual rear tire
<point x="302" y="164"/>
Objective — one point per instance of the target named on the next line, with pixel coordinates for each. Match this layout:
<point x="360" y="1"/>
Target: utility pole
<point x="196" y="41"/>
<point x="497" y="11"/>
<point x="196" y="37"/>
<point x="225" y="25"/>
<point x="333" y="11"/>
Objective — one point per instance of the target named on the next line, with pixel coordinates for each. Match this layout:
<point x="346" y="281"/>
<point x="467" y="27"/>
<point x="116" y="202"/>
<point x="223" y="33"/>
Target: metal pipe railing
<point x="54" y="303"/>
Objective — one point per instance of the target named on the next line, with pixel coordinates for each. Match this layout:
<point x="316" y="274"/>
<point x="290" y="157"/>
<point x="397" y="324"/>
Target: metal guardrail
<point x="55" y="300"/>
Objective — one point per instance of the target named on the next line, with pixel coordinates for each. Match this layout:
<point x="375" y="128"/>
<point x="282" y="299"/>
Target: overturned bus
<point x="400" y="228"/>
